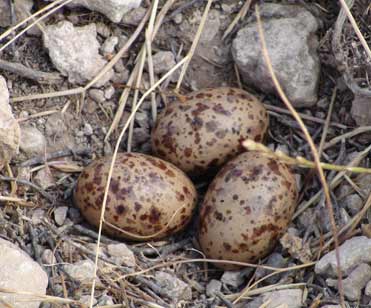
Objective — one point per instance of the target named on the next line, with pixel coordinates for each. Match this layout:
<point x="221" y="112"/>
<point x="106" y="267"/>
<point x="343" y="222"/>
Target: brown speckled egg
<point x="205" y="130"/>
<point x="145" y="194"/>
<point x="247" y="207"/>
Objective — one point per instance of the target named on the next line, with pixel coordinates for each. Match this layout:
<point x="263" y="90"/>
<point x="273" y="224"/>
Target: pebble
<point x="289" y="298"/>
<point x="121" y="254"/>
<point x="19" y="272"/>
<point x="212" y="287"/>
<point x="32" y="141"/>
<point x="97" y="95"/>
<point x="85" y="299"/>
<point x="178" y="18"/>
<point x="5" y="18"/>
<point x="122" y="40"/>
<point x="353" y="203"/>
<point x="109" y="92"/>
<point x="112" y="9"/>
<point x="109" y="45"/>
<point x="9" y="127"/>
<point x="170" y="284"/>
<point x="102" y="29"/>
<point x="274" y="260"/>
<point x="163" y="61"/>
<point x="48" y="257"/>
<point x="60" y="215"/>
<point x="134" y="17"/>
<point x="355" y="282"/>
<point x="88" y="130"/>
<point x="352" y="252"/>
<point x="82" y="271"/>
<point x="233" y="278"/>
<point x="75" y="52"/>
<point x="44" y="178"/>
<point x="37" y="216"/>
<point x="368" y="289"/>
<point x="292" y="45"/>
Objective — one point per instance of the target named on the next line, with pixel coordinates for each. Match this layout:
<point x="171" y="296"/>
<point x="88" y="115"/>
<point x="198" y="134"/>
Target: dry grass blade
<point x="194" y="44"/>
<point x="110" y="172"/>
<point x="355" y="132"/>
<point x="312" y="147"/>
<point x="241" y="15"/>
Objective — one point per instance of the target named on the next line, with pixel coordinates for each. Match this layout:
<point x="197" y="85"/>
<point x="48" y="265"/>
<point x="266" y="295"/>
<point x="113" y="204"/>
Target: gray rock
<point x="289" y="298"/>
<point x="113" y="9"/>
<point x="109" y="45"/>
<point x="20" y="273"/>
<point x="48" y="257"/>
<point x="274" y="260"/>
<point x="163" y="61"/>
<point x="32" y="141"/>
<point x="353" y="203"/>
<point x="355" y="282"/>
<point x="368" y="289"/>
<point x="88" y="129"/>
<point x="352" y="252"/>
<point x="331" y="306"/>
<point x="60" y="215"/>
<point x="85" y="299"/>
<point x="5" y="18"/>
<point x="122" y="254"/>
<point x="9" y="127"/>
<point x="291" y="42"/>
<point x="44" y="178"/>
<point x="212" y="287"/>
<point x="97" y="95"/>
<point x="134" y="17"/>
<point x="109" y="92"/>
<point x="170" y="284"/>
<point x="360" y="111"/>
<point x="82" y="271"/>
<point x="37" y="216"/>
<point x="233" y="278"/>
<point x="74" y="52"/>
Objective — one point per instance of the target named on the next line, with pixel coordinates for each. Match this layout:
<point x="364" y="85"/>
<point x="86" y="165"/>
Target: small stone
<point x="212" y="287"/>
<point x="178" y="18"/>
<point x="289" y="32"/>
<point x="331" y="306"/>
<point x="44" y="178"/>
<point x="352" y="252"/>
<point x="82" y="271"/>
<point x="103" y="30"/>
<point x="88" y="130"/>
<point x="274" y="260"/>
<point x="122" y="254"/>
<point x="134" y="17"/>
<point x="75" y="215"/>
<point x="109" y="92"/>
<point x="163" y="61"/>
<point x="97" y="95"/>
<point x="353" y="203"/>
<point x="85" y="299"/>
<point x="20" y="273"/>
<point x="113" y="9"/>
<point x="5" y="17"/>
<point x="37" y="216"/>
<point x="122" y="40"/>
<point x="32" y="141"/>
<point x="121" y="77"/>
<point x="60" y="215"/>
<point x="289" y="298"/>
<point x="48" y="257"/>
<point x="170" y="284"/>
<point x="368" y="289"/>
<point x="360" y="111"/>
<point x="109" y="45"/>
<point x="105" y="300"/>
<point x="355" y="282"/>
<point x="9" y="127"/>
<point x="233" y="278"/>
<point x="74" y="52"/>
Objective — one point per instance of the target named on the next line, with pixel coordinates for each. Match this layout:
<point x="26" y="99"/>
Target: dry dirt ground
<point x="80" y="136"/>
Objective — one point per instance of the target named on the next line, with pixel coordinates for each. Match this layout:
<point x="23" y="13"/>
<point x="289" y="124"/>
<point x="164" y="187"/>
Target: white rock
<point x="32" y="141"/>
<point x="9" y="127"/>
<point x="82" y="271"/>
<point x="60" y="215"/>
<point x="109" y="92"/>
<point x="352" y="252"/>
<point x="109" y="45"/>
<point x="37" y="216"/>
<point x="97" y="95"/>
<point x="113" y="9"/>
<point x="289" y="298"/>
<point x="74" y="52"/>
<point x="233" y="278"/>
<point x="48" y="257"/>
<point x="20" y="273"/>
<point x="212" y="287"/>
<point x="178" y="289"/>
<point x="368" y="289"/>
<point x="122" y="254"/>
<point x="292" y="46"/>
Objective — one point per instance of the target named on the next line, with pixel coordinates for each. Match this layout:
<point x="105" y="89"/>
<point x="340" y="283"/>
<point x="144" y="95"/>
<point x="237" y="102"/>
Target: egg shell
<point x="205" y="130"/>
<point x="144" y="195"/>
<point x="247" y="207"/>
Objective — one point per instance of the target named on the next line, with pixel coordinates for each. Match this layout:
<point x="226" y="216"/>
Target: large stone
<point x="113" y="9"/>
<point x="9" y="127"/>
<point x="291" y="43"/>
<point x="75" y="52"/>
<point x="352" y="252"/>
<point x="21" y="274"/>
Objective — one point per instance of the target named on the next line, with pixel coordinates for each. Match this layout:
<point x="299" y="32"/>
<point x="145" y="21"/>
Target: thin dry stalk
<point x="241" y="15"/>
<point x="110" y="172"/>
<point x="313" y="149"/>
<point x="355" y="132"/>
<point x="194" y="44"/>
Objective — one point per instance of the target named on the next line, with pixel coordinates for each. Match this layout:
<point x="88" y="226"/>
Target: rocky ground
<point x="56" y="117"/>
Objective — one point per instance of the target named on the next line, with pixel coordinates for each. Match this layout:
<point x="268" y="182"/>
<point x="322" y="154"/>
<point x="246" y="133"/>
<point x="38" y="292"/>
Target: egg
<point x="148" y="198"/>
<point x="204" y="130"/>
<point x="247" y="207"/>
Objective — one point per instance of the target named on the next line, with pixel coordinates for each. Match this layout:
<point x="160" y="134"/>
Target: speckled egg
<point x="204" y="130"/>
<point x="146" y="195"/>
<point x="247" y="207"/>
